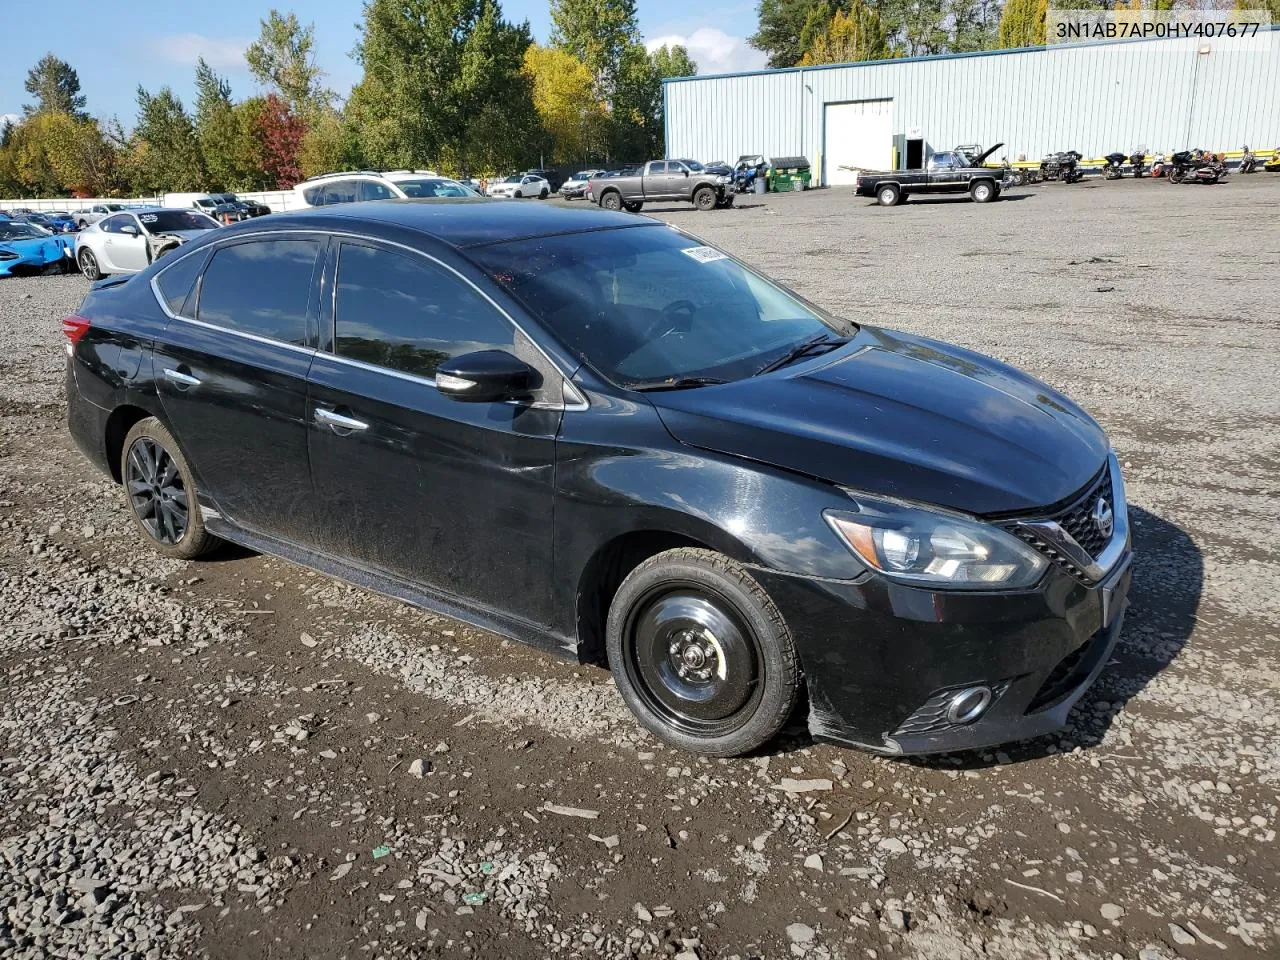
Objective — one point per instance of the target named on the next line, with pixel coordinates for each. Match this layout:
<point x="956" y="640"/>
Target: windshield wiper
<point x="675" y="383"/>
<point x="822" y="343"/>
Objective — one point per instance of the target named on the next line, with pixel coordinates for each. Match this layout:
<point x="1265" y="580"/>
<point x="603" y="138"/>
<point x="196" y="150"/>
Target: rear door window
<point x="261" y="287"/>
<point x="405" y="313"/>
<point x="344" y="191"/>
<point x="373" y="190"/>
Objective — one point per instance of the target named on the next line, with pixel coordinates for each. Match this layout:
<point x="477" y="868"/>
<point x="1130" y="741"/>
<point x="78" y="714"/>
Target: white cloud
<point x="714" y="51"/>
<point x="189" y="47"/>
<point x="8" y="118"/>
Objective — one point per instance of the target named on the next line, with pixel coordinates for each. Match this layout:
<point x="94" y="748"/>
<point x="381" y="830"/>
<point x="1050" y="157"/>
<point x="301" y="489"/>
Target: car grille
<point x="931" y="716"/>
<point x="1076" y="520"/>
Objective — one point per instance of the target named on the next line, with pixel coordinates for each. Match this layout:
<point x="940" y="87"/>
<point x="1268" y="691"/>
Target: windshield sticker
<point x="704" y="254"/>
<point x="147" y="217"/>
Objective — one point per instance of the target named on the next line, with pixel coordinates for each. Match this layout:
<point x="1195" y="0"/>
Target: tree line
<point x="805" y="32"/>
<point x="447" y="84"/>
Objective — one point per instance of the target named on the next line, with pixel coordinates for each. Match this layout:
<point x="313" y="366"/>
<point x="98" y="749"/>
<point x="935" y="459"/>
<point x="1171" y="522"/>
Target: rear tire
<point x="700" y="653"/>
<point x="161" y="492"/>
<point x="984" y="191"/>
<point x="704" y="198"/>
<point x="88" y="264"/>
<point x="633" y="206"/>
<point x="889" y="195"/>
<point x="611" y="201"/>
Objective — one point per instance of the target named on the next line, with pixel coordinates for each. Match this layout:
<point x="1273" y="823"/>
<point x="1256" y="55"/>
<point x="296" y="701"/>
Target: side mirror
<point x="130" y="229"/>
<point x="686" y="173"/>
<point x="486" y="376"/>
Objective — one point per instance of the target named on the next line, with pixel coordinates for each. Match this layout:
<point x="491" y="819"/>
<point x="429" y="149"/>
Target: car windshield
<point x="584" y="175"/>
<point x="518" y="178"/>
<point x="115" y="207"/>
<point x="165" y="221"/>
<point x="647" y="304"/>
<point x="12" y="230"/>
<point x="433" y="187"/>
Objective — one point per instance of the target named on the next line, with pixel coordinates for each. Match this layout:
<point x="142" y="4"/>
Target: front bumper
<point x="882" y="660"/>
<point x="573" y="193"/>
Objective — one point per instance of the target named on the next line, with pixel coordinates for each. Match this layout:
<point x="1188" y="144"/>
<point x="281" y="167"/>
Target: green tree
<point x="1022" y="23"/>
<point x="975" y="25"/>
<point x="166" y="154"/>
<point x="283" y="59"/>
<point x="332" y="142"/>
<point x="915" y="28"/>
<point x="849" y="37"/>
<point x="599" y="33"/>
<point x="673" y="61"/>
<point x="444" y="84"/>
<point x="216" y="129"/>
<point x="637" y="108"/>
<point x="787" y="28"/>
<point x="56" y="87"/>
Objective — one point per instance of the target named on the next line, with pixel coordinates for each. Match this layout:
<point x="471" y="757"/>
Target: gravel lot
<point x="244" y="758"/>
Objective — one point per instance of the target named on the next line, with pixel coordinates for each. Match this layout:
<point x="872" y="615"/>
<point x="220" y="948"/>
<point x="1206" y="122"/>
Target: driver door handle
<point x="331" y="419"/>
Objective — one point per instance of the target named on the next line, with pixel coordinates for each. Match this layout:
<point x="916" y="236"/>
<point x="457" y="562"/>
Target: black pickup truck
<point x="685" y="180"/>
<point x="948" y="172"/>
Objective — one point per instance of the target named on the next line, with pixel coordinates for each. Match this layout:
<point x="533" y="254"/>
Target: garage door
<point x="856" y="135"/>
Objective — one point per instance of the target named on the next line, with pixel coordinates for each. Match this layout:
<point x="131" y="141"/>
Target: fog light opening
<point x="967" y="705"/>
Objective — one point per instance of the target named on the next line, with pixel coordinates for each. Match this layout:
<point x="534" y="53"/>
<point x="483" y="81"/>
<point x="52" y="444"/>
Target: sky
<point x="117" y="45"/>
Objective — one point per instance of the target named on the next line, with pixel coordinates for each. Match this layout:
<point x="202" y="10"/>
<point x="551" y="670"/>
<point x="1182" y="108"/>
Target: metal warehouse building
<point x="1162" y="95"/>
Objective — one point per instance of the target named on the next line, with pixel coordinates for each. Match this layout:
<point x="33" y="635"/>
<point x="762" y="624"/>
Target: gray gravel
<point x="242" y="757"/>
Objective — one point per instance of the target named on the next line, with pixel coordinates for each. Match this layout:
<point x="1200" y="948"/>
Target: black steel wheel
<point x="161" y="492"/>
<point x="700" y="653"/>
<point x="88" y="264"/>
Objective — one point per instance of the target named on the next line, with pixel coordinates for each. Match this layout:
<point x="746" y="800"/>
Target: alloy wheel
<point x="156" y="491"/>
<point x="88" y="265"/>
<point x="693" y="660"/>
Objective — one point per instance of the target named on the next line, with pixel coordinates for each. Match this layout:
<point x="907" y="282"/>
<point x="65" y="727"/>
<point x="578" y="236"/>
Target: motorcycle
<point x="1194" y="166"/>
<point x="1062" y="166"/>
<point x="1273" y="165"/>
<point x="1249" y="162"/>
<point x="1013" y="176"/>
<point x="1158" y="165"/>
<point x="1115" y="163"/>
<point x="1138" y="162"/>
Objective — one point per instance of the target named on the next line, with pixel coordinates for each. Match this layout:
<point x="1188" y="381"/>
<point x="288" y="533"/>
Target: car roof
<point x="459" y="222"/>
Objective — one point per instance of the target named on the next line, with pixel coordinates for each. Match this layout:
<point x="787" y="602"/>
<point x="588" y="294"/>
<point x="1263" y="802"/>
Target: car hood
<point x="36" y="246"/>
<point x="905" y="417"/>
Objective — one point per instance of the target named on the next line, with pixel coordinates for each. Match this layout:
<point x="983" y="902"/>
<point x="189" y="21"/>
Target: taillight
<point x="75" y="327"/>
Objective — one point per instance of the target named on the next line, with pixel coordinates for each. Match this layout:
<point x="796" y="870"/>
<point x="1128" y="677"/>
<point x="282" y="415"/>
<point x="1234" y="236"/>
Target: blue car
<point x="56" y="222"/>
<point x="27" y="249"/>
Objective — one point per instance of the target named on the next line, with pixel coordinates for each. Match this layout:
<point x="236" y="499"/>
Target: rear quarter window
<point x="176" y="281"/>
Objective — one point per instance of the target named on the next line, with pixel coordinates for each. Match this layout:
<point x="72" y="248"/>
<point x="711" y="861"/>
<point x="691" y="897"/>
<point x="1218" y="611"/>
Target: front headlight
<point x="928" y="547"/>
<point x="723" y="179"/>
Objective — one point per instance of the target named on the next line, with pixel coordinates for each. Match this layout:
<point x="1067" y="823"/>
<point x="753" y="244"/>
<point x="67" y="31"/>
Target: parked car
<point x="252" y="208"/>
<point x="28" y="248"/>
<point x="54" y="222"/>
<point x="663" y="180"/>
<point x="520" y="185"/>
<point x="576" y="186"/>
<point x="127" y="242"/>
<point x="331" y="188"/>
<point x="212" y="204"/>
<point x="949" y="171"/>
<point x="593" y="432"/>
<point x="94" y="213"/>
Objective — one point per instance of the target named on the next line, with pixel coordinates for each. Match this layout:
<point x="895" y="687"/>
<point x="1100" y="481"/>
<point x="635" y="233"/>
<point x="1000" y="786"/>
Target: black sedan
<point x="616" y="442"/>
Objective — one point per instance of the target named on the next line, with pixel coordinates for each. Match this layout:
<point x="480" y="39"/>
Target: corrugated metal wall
<point x="1163" y="95"/>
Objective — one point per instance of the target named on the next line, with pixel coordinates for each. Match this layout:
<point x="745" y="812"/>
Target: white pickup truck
<point x="95" y="213"/>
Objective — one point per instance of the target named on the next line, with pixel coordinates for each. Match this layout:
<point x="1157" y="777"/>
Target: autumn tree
<point x="849" y="37"/>
<point x="598" y="33"/>
<point x="283" y="60"/>
<point x="673" y="61"/>
<point x="56" y="87"/>
<point x="332" y="142"/>
<point x="564" y="97"/>
<point x="280" y="131"/>
<point x="1022" y="23"/>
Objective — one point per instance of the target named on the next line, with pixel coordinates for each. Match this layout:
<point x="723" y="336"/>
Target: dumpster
<point x="789" y="173"/>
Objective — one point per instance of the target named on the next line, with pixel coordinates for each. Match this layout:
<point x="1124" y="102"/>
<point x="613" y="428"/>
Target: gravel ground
<point x="244" y="758"/>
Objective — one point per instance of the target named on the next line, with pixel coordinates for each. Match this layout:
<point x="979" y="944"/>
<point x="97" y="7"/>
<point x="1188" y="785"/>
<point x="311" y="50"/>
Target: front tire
<point x="700" y="653"/>
<point x="704" y="198"/>
<point x="88" y="264"/>
<point x="983" y="192"/>
<point x="161" y="492"/>
<point x="889" y="195"/>
<point x="633" y="206"/>
<point x="544" y="194"/>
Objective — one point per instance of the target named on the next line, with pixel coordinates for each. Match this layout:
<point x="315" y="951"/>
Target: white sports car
<point x="521" y="185"/>
<point x="127" y="242"/>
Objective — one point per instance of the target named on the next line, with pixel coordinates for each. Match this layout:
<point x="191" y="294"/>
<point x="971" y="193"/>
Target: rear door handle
<point x="182" y="379"/>
<point x="331" y="419"/>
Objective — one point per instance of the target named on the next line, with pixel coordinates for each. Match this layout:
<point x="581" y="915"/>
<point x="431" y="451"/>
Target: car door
<point x="454" y="497"/>
<point x="657" y="181"/>
<point x="122" y="252"/>
<point x="232" y="374"/>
